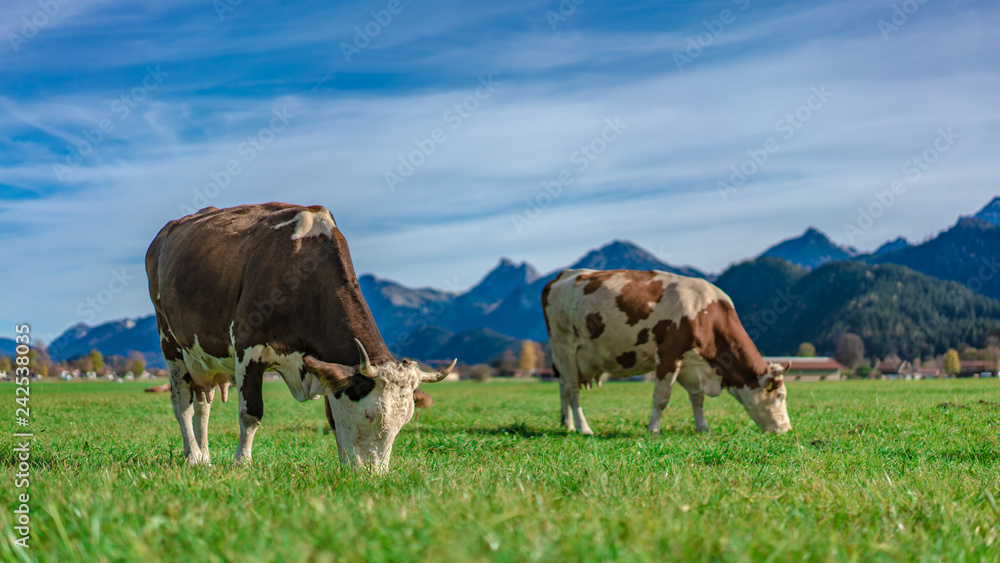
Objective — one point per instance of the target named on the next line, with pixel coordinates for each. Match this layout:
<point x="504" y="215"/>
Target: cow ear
<point x="422" y="400"/>
<point x="334" y="377"/>
<point x="775" y="383"/>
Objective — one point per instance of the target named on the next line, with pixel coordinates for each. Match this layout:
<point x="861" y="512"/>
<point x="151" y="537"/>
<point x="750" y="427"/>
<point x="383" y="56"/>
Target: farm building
<point x="822" y="368"/>
<point x="977" y="368"/>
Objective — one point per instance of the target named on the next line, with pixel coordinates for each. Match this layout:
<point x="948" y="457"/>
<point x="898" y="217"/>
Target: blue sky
<point x="633" y="114"/>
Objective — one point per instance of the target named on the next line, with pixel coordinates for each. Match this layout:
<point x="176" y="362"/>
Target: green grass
<point x="895" y="470"/>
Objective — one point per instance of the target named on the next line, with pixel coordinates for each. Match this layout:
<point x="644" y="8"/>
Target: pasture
<point x="873" y="470"/>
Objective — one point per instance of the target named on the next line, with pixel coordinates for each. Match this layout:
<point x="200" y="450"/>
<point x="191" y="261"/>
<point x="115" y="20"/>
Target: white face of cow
<point x="766" y="404"/>
<point x="366" y="428"/>
<point x="369" y="406"/>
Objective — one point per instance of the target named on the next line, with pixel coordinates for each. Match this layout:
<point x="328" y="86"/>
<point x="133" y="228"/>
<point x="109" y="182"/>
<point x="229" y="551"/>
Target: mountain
<point x="399" y="310"/>
<point x="499" y="282"/>
<point x="753" y="285"/>
<point x="121" y="337"/>
<point x="476" y="346"/>
<point x="625" y="255"/>
<point x="8" y="347"/>
<point x="811" y="249"/>
<point x="892" y="308"/>
<point x="967" y="253"/>
<point x="506" y="301"/>
<point x="990" y="213"/>
<point x="894" y="244"/>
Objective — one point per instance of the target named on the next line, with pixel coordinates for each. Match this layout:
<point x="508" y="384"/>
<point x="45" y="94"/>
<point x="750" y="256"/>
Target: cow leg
<point x="698" y="404"/>
<point x="249" y="384"/>
<point x="569" y="394"/>
<point x="573" y="398"/>
<point x="182" y="397"/>
<point x="565" y="419"/>
<point x="202" y="410"/>
<point x="661" y="397"/>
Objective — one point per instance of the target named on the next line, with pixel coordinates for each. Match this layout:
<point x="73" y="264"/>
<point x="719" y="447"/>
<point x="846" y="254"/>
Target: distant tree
<point x="970" y="354"/>
<point x="991" y="353"/>
<point x="39" y="360"/>
<point x="952" y="362"/>
<point x="507" y="362"/>
<point x="137" y="365"/>
<point x="863" y="371"/>
<point x="96" y="360"/>
<point x="117" y="363"/>
<point x="480" y="373"/>
<point x="850" y="350"/>
<point x="5" y="365"/>
<point x="528" y="360"/>
<point x="806" y="350"/>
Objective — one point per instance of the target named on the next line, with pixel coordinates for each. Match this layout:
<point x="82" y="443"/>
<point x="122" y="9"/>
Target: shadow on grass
<point x="523" y="430"/>
<point x="519" y="429"/>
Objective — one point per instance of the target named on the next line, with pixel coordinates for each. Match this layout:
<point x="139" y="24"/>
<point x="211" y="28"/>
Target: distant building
<point x="821" y="368"/>
<point x="907" y="371"/>
<point x="891" y="368"/>
<point x="977" y="368"/>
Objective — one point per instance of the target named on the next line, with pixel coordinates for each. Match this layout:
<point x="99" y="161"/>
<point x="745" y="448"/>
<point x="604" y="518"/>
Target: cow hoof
<point x="242" y="462"/>
<point x="587" y="432"/>
<point x="703" y="430"/>
<point x="654" y="430"/>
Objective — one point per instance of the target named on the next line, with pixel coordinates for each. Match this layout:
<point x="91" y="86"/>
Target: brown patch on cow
<point x="595" y="280"/>
<point x="642" y="337"/>
<point x="545" y="305"/>
<point x="716" y="333"/>
<point x="639" y="296"/>
<point x="626" y="360"/>
<point x="595" y="324"/>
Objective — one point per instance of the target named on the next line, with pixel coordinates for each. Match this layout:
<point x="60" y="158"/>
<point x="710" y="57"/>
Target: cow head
<point x="766" y="403"/>
<point x="370" y="404"/>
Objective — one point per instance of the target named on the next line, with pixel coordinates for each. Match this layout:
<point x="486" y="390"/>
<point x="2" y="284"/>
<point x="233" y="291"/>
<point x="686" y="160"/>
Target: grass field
<point x="894" y="470"/>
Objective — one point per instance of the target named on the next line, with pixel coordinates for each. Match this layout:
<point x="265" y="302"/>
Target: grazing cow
<point x="252" y="288"/>
<point x="627" y="322"/>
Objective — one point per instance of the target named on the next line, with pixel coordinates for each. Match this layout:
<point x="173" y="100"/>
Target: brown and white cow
<point x="252" y="288"/>
<point x="626" y="323"/>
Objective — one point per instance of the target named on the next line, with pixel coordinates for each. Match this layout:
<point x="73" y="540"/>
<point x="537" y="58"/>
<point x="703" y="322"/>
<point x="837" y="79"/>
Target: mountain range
<point x="895" y="291"/>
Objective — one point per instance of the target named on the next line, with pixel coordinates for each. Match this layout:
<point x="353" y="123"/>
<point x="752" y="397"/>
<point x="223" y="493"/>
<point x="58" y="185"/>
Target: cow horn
<point x="435" y="377"/>
<point x="366" y="365"/>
